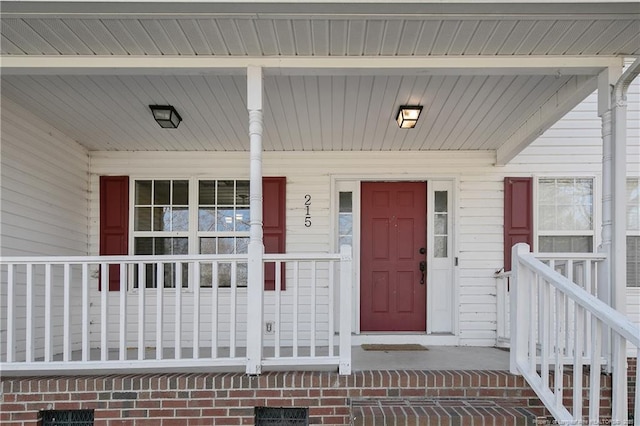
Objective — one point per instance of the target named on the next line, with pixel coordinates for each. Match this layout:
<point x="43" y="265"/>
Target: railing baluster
<point x="66" y="350"/>
<point x="11" y="314"/>
<point x="233" y="313"/>
<point x="331" y="265"/>
<point x="86" y="344"/>
<point x="313" y="308"/>
<point x="568" y="335"/>
<point x="532" y="321"/>
<point x="594" y="371"/>
<point x="123" y="312"/>
<point x="588" y="269"/>
<point x="104" y="311"/>
<point x="619" y="403"/>
<point x="296" y="282"/>
<point x="196" y="309"/>
<point x="142" y="305"/>
<point x="48" y="294"/>
<point x="29" y="343"/>
<point x="278" y="296"/>
<point x="214" y="310"/>
<point x="159" y="309"/>
<point x="636" y="418"/>
<point x="577" y="362"/>
<point x="559" y="338"/>
<point x="546" y="331"/>
<point x="178" y="312"/>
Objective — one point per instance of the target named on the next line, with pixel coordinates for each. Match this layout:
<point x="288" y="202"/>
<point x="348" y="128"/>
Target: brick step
<point x="440" y="411"/>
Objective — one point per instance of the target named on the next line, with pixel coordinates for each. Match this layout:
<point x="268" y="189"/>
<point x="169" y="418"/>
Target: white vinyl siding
<point x="44" y="201"/>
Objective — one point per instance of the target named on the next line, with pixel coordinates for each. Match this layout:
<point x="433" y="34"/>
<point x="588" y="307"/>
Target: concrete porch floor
<point x="434" y="358"/>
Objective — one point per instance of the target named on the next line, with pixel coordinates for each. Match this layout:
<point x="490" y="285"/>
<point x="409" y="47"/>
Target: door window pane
<point x="440" y="224"/>
<point x="345" y="218"/>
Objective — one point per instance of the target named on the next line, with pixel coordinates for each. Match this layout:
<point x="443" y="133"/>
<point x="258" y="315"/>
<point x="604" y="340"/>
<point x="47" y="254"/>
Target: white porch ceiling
<point x="105" y="107"/>
<point x="301" y="112"/>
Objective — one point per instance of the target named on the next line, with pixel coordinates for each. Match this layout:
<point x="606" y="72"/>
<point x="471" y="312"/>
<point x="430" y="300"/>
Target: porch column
<point x="613" y="110"/>
<point x="255" y="269"/>
<point x="619" y="233"/>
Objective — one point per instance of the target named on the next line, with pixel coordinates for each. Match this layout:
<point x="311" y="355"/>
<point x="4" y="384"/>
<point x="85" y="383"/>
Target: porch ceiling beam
<point x="354" y="8"/>
<point x="162" y="65"/>
<point x="563" y="101"/>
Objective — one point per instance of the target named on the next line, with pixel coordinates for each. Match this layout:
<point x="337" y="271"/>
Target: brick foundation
<point x="230" y="399"/>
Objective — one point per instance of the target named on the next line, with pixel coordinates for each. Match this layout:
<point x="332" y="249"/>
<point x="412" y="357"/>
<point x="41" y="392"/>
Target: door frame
<point x="341" y="183"/>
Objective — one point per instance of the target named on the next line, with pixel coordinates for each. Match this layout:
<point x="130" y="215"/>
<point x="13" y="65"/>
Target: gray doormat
<point x="389" y="348"/>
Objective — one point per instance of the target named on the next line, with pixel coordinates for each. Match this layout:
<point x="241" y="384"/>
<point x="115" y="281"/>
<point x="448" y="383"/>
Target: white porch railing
<point x="180" y="313"/>
<point x="546" y="309"/>
<point x="581" y="268"/>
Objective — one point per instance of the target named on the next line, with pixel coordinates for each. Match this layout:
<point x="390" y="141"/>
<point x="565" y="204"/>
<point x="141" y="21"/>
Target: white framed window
<point x="633" y="232"/>
<point x="164" y="224"/>
<point x="565" y="214"/>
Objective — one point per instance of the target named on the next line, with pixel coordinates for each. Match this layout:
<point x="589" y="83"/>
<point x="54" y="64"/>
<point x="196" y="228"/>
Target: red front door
<point x="392" y="296"/>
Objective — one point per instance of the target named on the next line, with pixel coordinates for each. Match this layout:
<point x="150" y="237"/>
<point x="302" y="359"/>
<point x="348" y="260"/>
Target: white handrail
<point x="545" y="308"/>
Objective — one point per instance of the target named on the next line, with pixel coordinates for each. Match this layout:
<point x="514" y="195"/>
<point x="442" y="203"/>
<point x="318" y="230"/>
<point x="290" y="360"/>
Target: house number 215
<point x="307" y="209"/>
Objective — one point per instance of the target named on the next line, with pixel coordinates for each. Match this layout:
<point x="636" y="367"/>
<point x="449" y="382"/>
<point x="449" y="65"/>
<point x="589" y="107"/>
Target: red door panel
<point x="393" y="231"/>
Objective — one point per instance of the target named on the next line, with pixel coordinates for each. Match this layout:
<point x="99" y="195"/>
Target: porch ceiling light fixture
<point x="166" y="116"/>
<point x="408" y="116"/>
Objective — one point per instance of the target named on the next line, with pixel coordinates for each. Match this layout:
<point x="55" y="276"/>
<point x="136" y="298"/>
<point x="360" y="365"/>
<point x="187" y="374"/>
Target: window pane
<point x="225" y="219"/>
<point x="207" y="192"/>
<point x="162" y="246"/>
<point x="565" y="204"/>
<point x="180" y="192"/>
<point x="440" y="201"/>
<point x="346" y="224"/>
<point x="440" y="224"/>
<point x="242" y="245"/>
<point x="162" y="218"/>
<point x="207" y="219"/>
<point x="180" y="219"/>
<point x="225" y="193"/>
<point x="633" y="261"/>
<point x="206" y="271"/>
<point x="345" y="241"/>
<point x="143" y="192"/>
<point x="346" y="202"/>
<point x="162" y="192"/>
<point x="226" y="245"/>
<point x="142" y="219"/>
<point x="208" y="246"/>
<point x="180" y="246"/>
<point x="224" y="275"/>
<point x="547" y="218"/>
<point x="440" y="247"/>
<point x="242" y="192"/>
<point x="565" y="244"/>
<point x="242" y="219"/>
<point x="241" y="274"/>
<point x="143" y="246"/>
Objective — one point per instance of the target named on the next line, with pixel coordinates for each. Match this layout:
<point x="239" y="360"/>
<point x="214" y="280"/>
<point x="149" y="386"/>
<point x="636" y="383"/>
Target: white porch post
<point x="605" y="83"/>
<point x="613" y="110"/>
<point x="255" y="284"/>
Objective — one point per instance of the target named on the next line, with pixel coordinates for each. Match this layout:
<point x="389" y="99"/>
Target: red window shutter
<point x="114" y="222"/>
<point x="518" y="215"/>
<point x="274" y="226"/>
